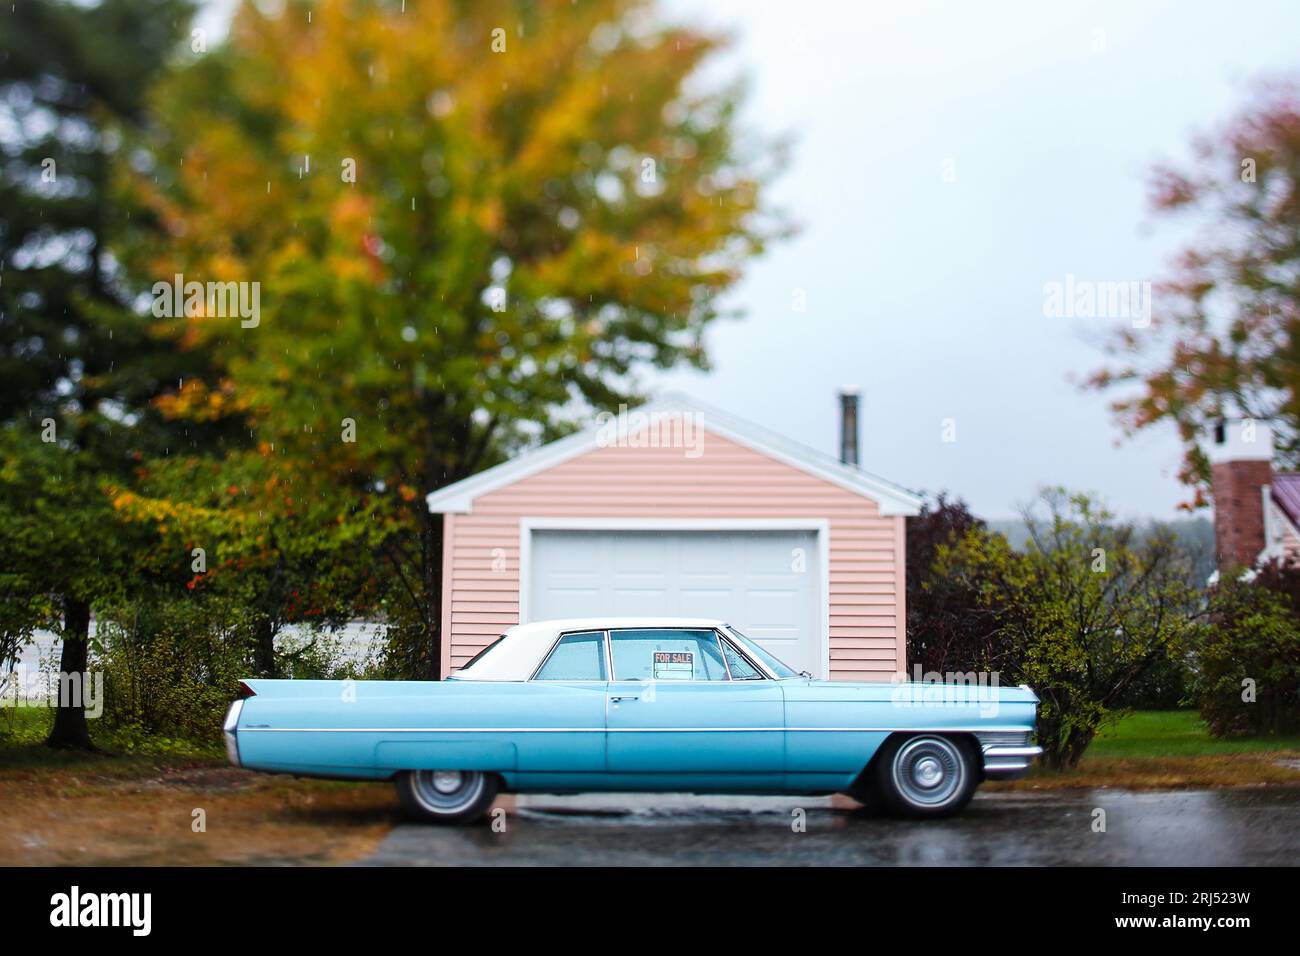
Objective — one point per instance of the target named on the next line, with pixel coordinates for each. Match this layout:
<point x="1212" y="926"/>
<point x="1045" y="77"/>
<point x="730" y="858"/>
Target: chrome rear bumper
<point x="1007" y="763"/>
<point x="229" y="731"/>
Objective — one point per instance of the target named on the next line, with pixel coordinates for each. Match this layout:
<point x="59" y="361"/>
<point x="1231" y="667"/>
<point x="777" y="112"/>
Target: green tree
<point x="469" y="223"/>
<point x="1082" y="614"/>
<point x="76" y="366"/>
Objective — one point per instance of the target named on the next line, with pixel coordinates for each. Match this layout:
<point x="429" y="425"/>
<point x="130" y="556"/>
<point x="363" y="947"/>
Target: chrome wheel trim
<point x="446" y="791"/>
<point x="447" y="781"/>
<point x="928" y="771"/>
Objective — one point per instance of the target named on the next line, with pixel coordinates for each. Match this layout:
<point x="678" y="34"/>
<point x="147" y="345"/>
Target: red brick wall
<point x="1239" y="510"/>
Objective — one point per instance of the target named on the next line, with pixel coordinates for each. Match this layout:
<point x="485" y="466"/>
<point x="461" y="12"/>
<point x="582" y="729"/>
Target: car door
<point x="561" y="710"/>
<point x="676" y="712"/>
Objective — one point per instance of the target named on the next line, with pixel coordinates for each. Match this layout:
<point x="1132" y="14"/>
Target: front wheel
<point x="926" y="775"/>
<point x="446" y="796"/>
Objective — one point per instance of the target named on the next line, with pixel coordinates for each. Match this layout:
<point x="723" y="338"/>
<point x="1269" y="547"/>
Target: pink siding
<point x="726" y="481"/>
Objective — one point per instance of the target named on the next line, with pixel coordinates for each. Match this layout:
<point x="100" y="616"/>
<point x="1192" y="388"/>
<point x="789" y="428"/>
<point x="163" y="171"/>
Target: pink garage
<point x="677" y="509"/>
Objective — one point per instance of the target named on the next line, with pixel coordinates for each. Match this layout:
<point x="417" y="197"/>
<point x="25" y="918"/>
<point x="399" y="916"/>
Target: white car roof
<point x="525" y="645"/>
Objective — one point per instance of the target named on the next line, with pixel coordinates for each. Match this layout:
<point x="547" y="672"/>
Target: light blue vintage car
<point x="662" y="704"/>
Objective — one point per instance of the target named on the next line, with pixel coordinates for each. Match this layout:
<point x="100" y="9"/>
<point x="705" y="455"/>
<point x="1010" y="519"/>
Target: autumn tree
<point x="467" y="223"/>
<point x="1224" y="338"/>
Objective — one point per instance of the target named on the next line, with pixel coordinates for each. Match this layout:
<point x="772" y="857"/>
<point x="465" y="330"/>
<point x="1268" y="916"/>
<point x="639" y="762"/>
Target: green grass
<point x="1175" y="733"/>
<point x="22" y="743"/>
<point x="24" y="726"/>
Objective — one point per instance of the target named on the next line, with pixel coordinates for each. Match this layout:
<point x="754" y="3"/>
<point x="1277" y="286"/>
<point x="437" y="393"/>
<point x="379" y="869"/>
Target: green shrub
<point x="1081" y="615"/>
<point x="1165" y="685"/>
<point x="172" y="667"/>
<point x="170" y="670"/>
<point x="1248" y="657"/>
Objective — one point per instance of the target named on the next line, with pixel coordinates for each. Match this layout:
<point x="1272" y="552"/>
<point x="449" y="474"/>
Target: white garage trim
<point x="890" y="499"/>
<point x="818" y="526"/>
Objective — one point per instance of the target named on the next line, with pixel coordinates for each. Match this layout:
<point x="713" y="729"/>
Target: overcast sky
<point x="928" y="294"/>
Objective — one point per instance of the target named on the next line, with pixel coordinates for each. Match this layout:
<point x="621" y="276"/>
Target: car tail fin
<point x="245" y="690"/>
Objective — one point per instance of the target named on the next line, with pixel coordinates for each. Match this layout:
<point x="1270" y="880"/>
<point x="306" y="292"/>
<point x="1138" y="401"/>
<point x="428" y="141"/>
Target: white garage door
<point x="766" y="583"/>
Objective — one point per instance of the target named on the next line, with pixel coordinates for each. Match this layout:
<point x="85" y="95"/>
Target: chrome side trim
<point x="229" y="731"/>
<point x="612" y="730"/>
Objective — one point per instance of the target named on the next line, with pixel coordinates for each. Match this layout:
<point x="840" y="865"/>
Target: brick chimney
<point x="1241" y="469"/>
<point x="849" y="425"/>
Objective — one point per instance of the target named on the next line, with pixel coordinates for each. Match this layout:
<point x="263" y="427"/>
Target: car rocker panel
<point x="651" y="705"/>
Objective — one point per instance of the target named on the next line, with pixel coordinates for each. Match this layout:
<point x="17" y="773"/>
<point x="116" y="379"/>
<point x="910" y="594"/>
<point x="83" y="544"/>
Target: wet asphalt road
<point x="1187" y="828"/>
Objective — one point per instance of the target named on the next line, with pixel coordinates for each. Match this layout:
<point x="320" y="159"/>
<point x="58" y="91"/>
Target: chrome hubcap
<point x="446" y="781"/>
<point x="928" y="771"/>
<point x="446" y="791"/>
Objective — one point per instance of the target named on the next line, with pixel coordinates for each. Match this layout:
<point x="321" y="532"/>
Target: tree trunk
<point x="70" y="729"/>
<point x="1062" y="751"/>
<point x="1078" y="744"/>
<point x="264" y="648"/>
<point x="433" y="592"/>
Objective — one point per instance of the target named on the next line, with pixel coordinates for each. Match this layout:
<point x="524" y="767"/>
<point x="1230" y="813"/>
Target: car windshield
<point x="779" y="669"/>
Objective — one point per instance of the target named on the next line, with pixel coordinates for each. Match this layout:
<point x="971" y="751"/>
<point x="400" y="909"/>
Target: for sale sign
<point x="674" y="665"/>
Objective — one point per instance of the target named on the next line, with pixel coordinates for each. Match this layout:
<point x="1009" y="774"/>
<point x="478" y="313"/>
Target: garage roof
<point x="892" y="499"/>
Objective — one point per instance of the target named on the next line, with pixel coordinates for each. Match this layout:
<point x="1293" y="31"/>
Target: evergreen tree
<point x="77" y="365"/>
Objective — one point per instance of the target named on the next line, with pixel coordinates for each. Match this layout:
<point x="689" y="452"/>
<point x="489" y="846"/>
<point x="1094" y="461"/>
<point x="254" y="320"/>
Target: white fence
<point x="356" y="643"/>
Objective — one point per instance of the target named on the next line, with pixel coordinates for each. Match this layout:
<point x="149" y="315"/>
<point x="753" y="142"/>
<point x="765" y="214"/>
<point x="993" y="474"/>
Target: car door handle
<point x="615" y="700"/>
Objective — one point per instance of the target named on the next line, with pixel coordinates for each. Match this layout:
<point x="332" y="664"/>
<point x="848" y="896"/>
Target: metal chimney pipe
<point x="849" y="425"/>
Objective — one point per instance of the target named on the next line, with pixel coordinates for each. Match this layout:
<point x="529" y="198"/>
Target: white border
<point x="820" y="526"/>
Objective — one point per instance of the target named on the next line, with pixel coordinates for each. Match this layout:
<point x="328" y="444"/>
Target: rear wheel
<point x="447" y="796"/>
<point x="926" y="775"/>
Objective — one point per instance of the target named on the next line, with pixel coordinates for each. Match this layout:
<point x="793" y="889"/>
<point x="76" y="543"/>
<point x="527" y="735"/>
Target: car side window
<point x="740" y="668"/>
<point x="681" y="654"/>
<point x="578" y="656"/>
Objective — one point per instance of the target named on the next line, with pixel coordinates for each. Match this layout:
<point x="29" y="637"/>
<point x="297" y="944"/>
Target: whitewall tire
<point x="447" y="796"/>
<point x="926" y="775"/>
